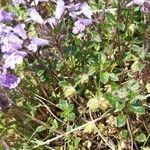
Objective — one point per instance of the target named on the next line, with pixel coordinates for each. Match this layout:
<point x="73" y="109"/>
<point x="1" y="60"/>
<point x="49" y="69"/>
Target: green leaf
<point x="103" y="58"/>
<point x="104" y="77"/>
<point x="63" y="104"/>
<point x="140" y="138"/>
<point x="133" y="85"/>
<point x="114" y="101"/>
<point x="124" y="134"/>
<point x="40" y="72"/>
<point x="128" y="56"/>
<point x="68" y="116"/>
<point x="95" y="36"/>
<point x="120" y="120"/>
<point x="63" y="83"/>
<point x="136" y="106"/>
<point x="120" y="104"/>
<point x="67" y="108"/>
<point x="137" y="66"/>
<point x="137" y="109"/>
<point x="113" y="77"/>
<point x="40" y="128"/>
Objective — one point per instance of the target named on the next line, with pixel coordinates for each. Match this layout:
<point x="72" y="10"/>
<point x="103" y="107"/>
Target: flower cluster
<point x="12" y="37"/>
<point x="80" y="13"/>
<point x="76" y="11"/>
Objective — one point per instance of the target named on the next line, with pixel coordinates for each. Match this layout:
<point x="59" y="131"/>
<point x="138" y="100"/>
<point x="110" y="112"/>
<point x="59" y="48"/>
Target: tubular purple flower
<point x="9" y="80"/>
<point x="32" y="47"/>
<point x="52" y="21"/>
<point x="139" y="2"/>
<point x="40" y="41"/>
<point x="73" y="15"/>
<point x="19" y="29"/>
<point x="11" y="60"/>
<point x="67" y="2"/>
<point x="79" y="26"/>
<point x="4" y="16"/>
<point x="14" y="2"/>
<point x="8" y="48"/>
<point x="145" y="5"/>
<point x="4" y="29"/>
<point x="35" y="16"/>
<point x="35" y="42"/>
<point x="14" y="39"/>
<point x="86" y="10"/>
<point x="74" y="7"/>
<point x="60" y="9"/>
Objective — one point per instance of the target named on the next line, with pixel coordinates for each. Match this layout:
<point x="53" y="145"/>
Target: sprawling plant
<point x="75" y="74"/>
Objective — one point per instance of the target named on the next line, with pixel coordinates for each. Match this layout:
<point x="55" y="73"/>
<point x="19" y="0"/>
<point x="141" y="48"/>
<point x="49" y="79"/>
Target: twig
<point x="102" y="137"/>
<point x="106" y="114"/>
<point x="50" y="148"/>
<point x="51" y="112"/>
<point x="146" y="140"/>
<point x="29" y="140"/>
<point x="39" y="97"/>
<point x="130" y="132"/>
<point x="106" y="10"/>
<point x="148" y="95"/>
<point x="36" y="120"/>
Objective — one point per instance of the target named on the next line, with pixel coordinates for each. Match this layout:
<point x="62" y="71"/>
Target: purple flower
<point x="145" y="5"/>
<point x="139" y="2"/>
<point x="14" y="39"/>
<point x="78" y="9"/>
<point x="73" y="10"/>
<point x="80" y="25"/>
<point x="4" y="29"/>
<point x="11" y="60"/>
<point x="10" y="43"/>
<point x="8" y="48"/>
<point x="52" y="21"/>
<point x="35" y="2"/>
<point x="67" y="2"/>
<point x="32" y="47"/>
<point x="9" y="80"/>
<point x="35" y="16"/>
<point x="74" y="7"/>
<point x="35" y="42"/>
<point x="4" y="16"/>
<point x="86" y="10"/>
<point x="60" y="9"/>
<point x="19" y="29"/>
<point x="14" y="2"/>
<point x="40" y="41"/>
